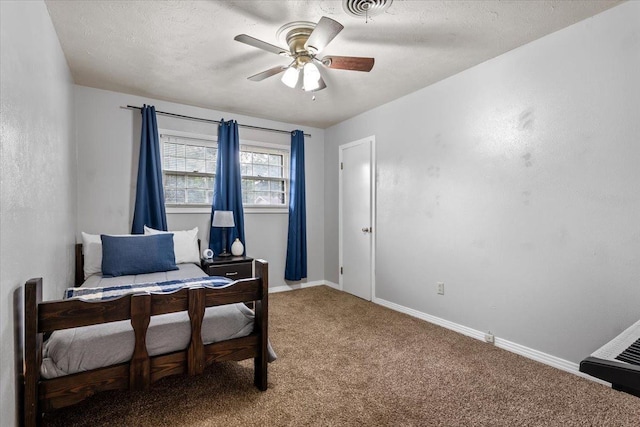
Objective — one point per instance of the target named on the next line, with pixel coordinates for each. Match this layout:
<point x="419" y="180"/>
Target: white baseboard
<point x="332" y="285"/>
<point x="285" y="288"/>
<point x="431" y="319"/>
<point x="547" y="359"/>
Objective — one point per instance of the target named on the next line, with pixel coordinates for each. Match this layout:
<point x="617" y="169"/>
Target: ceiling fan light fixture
<point x="311" y="77"/>
<point x="305" y="40"/>
<point x="290" y="77"/>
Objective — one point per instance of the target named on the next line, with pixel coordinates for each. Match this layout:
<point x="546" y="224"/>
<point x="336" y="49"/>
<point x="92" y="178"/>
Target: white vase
<point x="237" y="248"/>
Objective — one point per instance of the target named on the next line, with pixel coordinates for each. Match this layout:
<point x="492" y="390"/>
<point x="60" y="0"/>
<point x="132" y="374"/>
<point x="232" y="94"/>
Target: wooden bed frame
<point x="39" y="395"/>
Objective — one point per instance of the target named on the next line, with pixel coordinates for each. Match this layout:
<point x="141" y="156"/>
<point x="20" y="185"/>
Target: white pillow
<point x="92" y="251"/>
<point x="185" y="244"/>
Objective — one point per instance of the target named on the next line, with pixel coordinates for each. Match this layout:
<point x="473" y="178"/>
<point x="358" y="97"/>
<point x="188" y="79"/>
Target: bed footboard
<point x="42" y="395"/>
<point x="261" y="326"/>
<point x="32" y="342"/>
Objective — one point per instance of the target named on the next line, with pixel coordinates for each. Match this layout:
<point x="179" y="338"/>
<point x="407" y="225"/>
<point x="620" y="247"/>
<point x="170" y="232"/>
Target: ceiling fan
<point x="306" y="40"/>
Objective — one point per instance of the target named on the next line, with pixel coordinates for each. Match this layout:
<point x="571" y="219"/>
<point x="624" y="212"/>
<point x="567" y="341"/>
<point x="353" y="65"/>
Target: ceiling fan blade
<point x="252" y="41"/>
<point x="268" y="73"/>
<point x="352" y="63"/>
<point x="322" y="34"/>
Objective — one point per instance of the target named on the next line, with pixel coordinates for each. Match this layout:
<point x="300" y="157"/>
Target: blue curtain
<point x="149" y="207"/>
<point x="296" y="266"/>
<point x="227" y="190"/>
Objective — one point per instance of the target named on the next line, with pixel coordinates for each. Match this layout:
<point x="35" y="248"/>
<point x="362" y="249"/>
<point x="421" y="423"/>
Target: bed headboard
<point x="79" y="276"/>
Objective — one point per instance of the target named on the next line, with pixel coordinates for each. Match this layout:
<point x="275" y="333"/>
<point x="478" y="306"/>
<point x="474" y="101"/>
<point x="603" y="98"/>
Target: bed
<point x="189" y="317"/>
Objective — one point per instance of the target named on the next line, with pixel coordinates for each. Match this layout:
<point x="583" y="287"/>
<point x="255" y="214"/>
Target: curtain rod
<point x="198" y="119"/>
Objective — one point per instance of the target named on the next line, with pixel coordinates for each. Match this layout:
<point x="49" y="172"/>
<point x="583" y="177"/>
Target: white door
<point x="357" y="193"/>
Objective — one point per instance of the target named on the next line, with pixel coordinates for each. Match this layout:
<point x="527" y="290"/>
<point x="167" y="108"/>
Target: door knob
<point x="367" y="229"/>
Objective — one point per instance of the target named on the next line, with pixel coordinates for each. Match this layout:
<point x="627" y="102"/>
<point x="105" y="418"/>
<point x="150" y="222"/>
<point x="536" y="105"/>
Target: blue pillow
<point x="124" y="255"/>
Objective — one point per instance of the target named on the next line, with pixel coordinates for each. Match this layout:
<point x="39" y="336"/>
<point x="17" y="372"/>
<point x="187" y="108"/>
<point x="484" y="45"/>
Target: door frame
<point x="372" y="181"/>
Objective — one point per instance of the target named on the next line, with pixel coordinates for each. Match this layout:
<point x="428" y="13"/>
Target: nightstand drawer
<point x="239" y="270"/>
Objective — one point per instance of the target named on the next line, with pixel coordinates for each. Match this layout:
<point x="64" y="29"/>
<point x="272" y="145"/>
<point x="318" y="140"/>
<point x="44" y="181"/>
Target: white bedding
<point x="80" y="349"/>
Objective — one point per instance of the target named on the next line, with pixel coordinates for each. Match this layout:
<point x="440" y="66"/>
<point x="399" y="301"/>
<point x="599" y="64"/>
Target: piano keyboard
<point x="625" y="347"/>
<point x="632" y="354"/>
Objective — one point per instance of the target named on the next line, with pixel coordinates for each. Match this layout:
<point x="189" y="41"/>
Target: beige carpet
<point x="347" y="362"/>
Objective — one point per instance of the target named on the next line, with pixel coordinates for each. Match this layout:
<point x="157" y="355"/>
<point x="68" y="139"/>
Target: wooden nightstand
<point x="233" y="267"/>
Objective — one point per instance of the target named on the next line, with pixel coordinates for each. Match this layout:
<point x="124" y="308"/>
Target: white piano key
<point x="613" y="348"/>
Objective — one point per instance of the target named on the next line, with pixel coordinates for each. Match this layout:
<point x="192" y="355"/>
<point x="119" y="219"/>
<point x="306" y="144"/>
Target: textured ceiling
<point x="183" y="51"/>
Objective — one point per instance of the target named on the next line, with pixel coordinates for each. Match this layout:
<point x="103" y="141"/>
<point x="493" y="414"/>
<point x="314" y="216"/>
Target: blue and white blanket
<point x="111" y="292"/>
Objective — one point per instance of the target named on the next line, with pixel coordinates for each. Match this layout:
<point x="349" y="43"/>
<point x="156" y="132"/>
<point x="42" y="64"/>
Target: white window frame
<point x="248" y="209"/>
<point x="285" y="172"/>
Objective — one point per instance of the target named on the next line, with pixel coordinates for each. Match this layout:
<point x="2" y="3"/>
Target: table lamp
<point x="223" y="219"/>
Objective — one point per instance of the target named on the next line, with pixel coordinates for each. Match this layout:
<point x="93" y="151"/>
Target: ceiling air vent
<point x="365" y="8"/>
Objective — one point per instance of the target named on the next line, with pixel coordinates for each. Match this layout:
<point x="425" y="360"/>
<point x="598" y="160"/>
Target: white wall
<point x="517" y="183"/>
<point x="38" y="181"/>
<point x="108" y="146"/>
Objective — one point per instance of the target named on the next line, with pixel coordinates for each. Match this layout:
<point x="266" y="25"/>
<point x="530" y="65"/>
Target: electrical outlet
<point x="488" y="337"/>
<point x="440" y="288"/>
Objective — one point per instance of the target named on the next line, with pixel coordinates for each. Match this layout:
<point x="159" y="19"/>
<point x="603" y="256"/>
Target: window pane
<point x="210" y="167"/>
<point x="170" y="181"/>
<point x="169" y="149"/>
<point x="245" y="157"/>
<point x="275" y="171"/>
<point x="276" y="186"/>
<point x="262" y="198"/>
<point x="195" y="165"/>
<point x="260" y="170"/>
<point x="180" y="165"/>
<point x="275" y="159"/>
<point x="245" y="169"/>
<point x="210" y="153"/>
<point x="194" y="152"/>
<point x="170" y="163"/>
<point x="196" y="196"/>
<point x="248" y="185"/>
<point x="180" y="196"/>
<point x="197" y="182"/>
<point x="261" y="158"/>
<point x="169" y="196"/>
<point x="262" y="185"/>
<point x="277" y="198"/>
<point x="252" y="198"/>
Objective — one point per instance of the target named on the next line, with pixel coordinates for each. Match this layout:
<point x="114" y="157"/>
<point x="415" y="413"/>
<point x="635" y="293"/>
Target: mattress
<point x="184" y="271"/>
<point x="90" y="347"/>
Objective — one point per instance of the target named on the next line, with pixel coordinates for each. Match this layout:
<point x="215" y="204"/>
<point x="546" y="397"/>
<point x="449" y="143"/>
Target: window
<point x="188" y="169"/>
<point x="264" y="174"/>
<point x="189" y="166"/>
